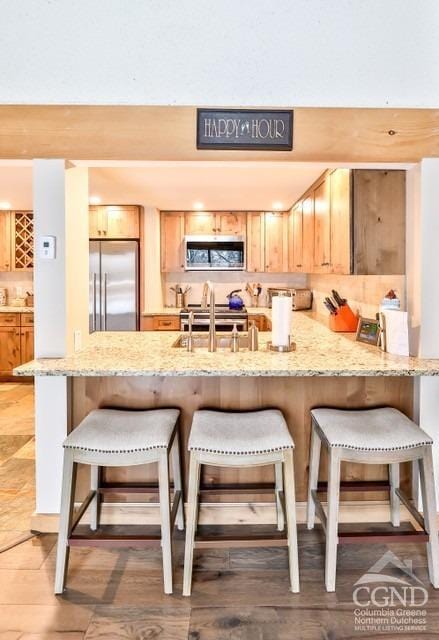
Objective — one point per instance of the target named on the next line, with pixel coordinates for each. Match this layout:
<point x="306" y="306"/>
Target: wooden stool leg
<point x="165" y="516"/>
<point x="429" y="506"/>
<point x="395" y="506"/>
<point x="95" y="505"/>
<point x="314" y="463"/>
<point x="290" y="508"/>
<point x="65" y="521"/>
<point x="191" y="522"/>
<point x="278" y="474"/>
<point x="332" y="519"/>
<point x="178" y="486"/>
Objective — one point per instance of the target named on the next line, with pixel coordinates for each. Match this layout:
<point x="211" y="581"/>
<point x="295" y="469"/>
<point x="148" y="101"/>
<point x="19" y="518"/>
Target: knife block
<point x="344" y="321"/>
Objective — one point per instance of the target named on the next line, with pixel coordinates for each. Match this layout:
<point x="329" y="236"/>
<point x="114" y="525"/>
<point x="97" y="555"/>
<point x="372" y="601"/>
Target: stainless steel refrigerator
<point x="114" y="285"/>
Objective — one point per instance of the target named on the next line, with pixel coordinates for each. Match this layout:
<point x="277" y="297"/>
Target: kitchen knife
<point x="339" y="300"/>
<point x="330" y="306"/>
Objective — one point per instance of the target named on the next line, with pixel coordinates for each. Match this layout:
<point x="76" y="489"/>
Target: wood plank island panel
<point x="169" y="133"/>
<point x="295" y="397"/>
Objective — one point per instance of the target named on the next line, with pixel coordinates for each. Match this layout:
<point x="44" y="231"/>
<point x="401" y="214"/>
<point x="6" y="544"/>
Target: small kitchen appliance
<point x="300" y="298"/>
<point x="236" y="303"/>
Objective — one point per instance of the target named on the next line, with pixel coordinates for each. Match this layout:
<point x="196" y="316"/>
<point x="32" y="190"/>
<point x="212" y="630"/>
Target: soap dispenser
<point x="253" y="337"/>
<point x="234" y="346"/>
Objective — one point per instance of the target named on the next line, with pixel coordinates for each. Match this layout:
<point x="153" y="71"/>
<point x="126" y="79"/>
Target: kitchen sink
<point x="201" y="341"/>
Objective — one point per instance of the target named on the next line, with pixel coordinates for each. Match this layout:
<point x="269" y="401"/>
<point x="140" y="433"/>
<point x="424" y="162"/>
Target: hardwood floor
<point x="238" y="594"/>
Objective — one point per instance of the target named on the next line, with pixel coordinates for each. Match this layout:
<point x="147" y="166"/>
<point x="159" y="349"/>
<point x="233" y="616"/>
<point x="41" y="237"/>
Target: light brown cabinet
<point x="276" y="242"/>
<point x="160" y="323"/>
<point x="295" y="235"/>
<point x="379" y="215"/>
<point x="308" y="234"/>
<point x="322" y="227"/>
<point x="114" y="222"/>
<point x="16" y="240"/>
<point x="199" y="223"/>
<point x="16" y="341"/>
<point x="171" y="239"/>
<point x="255" y="242"/>
<point x="341" y="221"/>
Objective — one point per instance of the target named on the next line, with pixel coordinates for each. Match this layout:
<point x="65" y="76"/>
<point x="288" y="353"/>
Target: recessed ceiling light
<point x="94" y="200"/>
<point x="5" y="205"/>
<point x="278" y="206"/>
<point x="199" y="206"/>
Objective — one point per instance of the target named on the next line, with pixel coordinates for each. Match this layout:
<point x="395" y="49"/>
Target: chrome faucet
<point x="208" y="289"/>
<point x="190" y="340"/>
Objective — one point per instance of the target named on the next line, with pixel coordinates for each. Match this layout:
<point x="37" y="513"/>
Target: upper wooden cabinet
<point x="16" y="240"/>
<point x="322" y="228"/>
<point x="352" y="222"/>
<point x="379" y="221"/>
<point x="200" y="223"/>
<point x="171" y="235"/>
<point x="255" y="242"/>
<point x="341" y="221"/>
<point x="114" y="222"/>
<point x="5" y="241"/>
<point x="296" y="238"/>
<point x="276" y="242"/>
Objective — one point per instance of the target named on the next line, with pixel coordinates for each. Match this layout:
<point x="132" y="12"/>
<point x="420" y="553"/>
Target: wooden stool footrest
<point x="107" y="541"/>
<point x="252" y="487"/>
<point x="360" y="537"/>
<point x="256" y="540"/>
<point x="357" y="485"/>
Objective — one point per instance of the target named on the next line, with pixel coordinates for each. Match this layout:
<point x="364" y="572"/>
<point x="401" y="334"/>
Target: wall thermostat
<point x="47" y="247"/>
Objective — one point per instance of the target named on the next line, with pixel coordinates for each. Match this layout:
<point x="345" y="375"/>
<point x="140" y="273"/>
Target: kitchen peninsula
<point x="147" y="370"/>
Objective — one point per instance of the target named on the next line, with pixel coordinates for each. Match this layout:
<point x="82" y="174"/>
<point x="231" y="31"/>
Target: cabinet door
<point x="322" y="227"/>
<point x="308" y="234"/>
<point x="171" y="235"/>
<point x="166" y="323"/>
<point x="295" y="232"/>
<point x="200" y="223"/>
<point x="9" y="348"/>
<point x="255" y="242"/>
<point x="5" y="241"/>
<point x="22" y="240"/>
<point x="341" y="220"/>
<point x="26" y="344"/>
<point x="276" y="242"/>
<point x="231" y="224"/>
<point x="121" y="222"/>
<point x="95" y="222"/>
<point x="379" y="215"/>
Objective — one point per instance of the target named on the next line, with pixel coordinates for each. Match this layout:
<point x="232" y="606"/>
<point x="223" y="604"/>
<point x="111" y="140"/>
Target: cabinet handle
<point x="165" y="324"/>
<point x="324" y="264"/>
<point x="298" y="265"/>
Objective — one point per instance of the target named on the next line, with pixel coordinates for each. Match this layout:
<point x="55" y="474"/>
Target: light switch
<point x="47" y="247"/>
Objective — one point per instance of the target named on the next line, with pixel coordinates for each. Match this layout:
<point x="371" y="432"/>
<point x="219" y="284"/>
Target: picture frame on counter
<point x="368" y="331"/>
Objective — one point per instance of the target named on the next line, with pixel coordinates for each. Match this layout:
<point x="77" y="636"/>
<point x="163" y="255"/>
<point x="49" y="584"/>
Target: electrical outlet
<point x="77" y="340"/>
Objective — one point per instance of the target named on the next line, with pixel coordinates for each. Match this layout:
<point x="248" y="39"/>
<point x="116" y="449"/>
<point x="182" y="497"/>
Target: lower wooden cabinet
<point x="160" y="323"/>
<point x="261" y="322"/>
<point x="16" y="341"/>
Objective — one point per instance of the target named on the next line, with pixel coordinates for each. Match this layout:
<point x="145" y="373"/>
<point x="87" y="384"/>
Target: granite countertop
<point x="7" y="309"/>
<point x="320" y="352"/>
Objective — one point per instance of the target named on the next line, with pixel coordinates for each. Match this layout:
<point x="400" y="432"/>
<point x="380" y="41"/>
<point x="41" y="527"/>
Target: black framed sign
<point x="251" y="129"/>
<point x="368" y="331"/>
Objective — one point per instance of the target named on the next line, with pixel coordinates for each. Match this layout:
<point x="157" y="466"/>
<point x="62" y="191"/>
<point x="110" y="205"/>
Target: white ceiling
<point x="178" y="185"/>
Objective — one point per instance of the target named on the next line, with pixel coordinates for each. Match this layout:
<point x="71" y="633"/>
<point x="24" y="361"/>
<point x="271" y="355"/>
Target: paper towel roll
<point x="281" y="318"/>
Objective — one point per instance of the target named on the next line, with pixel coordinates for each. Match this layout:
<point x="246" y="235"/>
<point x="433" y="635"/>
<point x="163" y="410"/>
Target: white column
<point x="423" y="289"/>
<point x="61" y="309"/>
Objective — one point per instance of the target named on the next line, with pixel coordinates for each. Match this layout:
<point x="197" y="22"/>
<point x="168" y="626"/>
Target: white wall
<point x="251" y="52"/>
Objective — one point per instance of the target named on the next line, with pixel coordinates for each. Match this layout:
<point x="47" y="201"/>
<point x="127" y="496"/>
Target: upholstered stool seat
<point x="244" y="433"/>
<point x="119" y="431"/>
<point x="371" y="436"/>
<point x="242" y="439"/>
<point x="118" y="438"/>
<point x="384" y="429"/>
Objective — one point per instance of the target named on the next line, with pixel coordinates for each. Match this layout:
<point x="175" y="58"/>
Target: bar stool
<point x="372" y="436"/>
<point x="120" y="438"/>
<point x="246" y="439"/>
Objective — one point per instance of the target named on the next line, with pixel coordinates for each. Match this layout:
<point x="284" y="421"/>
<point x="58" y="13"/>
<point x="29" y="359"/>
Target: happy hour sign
<point x="244" y="129"/>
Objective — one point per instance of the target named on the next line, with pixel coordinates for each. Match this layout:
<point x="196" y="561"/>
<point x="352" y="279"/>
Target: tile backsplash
<point x="17" y="281"/>
<point x="225" y="282"/>
<point x="363" y="293"/>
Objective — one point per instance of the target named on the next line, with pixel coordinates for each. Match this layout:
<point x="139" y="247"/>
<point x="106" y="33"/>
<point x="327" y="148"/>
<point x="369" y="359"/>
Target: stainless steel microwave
<point x="214" y="253"/>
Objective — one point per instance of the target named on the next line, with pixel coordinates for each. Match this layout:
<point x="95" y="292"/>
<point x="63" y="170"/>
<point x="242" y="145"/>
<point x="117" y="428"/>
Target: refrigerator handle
<point x="94" y="302"/>
<point x="105" y="301"/>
